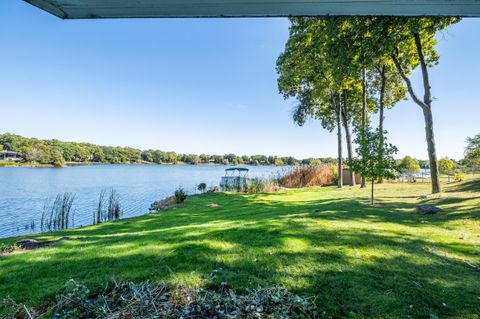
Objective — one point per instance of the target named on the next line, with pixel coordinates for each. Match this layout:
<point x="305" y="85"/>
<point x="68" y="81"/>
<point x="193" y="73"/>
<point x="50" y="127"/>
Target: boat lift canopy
<point x="94" y="9"/>
<point x="241" y="171"/>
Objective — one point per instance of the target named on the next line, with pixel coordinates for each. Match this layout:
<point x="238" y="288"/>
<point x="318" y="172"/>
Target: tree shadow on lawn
<point x="363" y="284"/>
<point x="468" y="186"/>
<point x="351" y="267"/>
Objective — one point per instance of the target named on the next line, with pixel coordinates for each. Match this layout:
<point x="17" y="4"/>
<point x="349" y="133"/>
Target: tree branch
<point x="408" y="82"/>
<point x="427" y="99"/>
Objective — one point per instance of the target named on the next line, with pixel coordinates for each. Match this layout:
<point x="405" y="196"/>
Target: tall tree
<point x="313" y="85"/>
<point x="472" y="151"/>
<point x="318" y="69"/>
<point x="410" y="42"/>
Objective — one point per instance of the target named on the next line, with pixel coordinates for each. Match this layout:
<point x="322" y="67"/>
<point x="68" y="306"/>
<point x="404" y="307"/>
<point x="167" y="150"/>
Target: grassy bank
<point x="357" y="260"/>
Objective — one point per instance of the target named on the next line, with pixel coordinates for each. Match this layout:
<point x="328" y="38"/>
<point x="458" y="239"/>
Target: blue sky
<point x="196" y="86"/>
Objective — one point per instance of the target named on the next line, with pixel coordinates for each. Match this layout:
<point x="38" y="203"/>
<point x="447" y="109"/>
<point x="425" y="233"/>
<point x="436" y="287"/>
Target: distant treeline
<point x="57" y="153"/>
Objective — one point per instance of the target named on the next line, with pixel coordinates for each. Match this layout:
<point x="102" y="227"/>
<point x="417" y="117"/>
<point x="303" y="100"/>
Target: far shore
<point x="73" y="164"/>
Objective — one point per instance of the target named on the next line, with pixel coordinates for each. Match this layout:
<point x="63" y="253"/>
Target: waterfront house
<point x="10" y="156"/>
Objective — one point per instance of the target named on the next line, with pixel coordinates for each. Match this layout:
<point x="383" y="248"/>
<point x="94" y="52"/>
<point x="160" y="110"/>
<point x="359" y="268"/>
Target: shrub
<point x="307" y="175"/>
<point x="58" y="160"/>
<point x="202" y="187"/>
<point x="6" y="249"/>
<point x="459" y="177"/>
<point x="180" y="195"/>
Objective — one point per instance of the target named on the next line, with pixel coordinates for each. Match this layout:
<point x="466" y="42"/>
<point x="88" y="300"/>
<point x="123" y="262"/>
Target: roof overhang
<point x="91" y="9"/>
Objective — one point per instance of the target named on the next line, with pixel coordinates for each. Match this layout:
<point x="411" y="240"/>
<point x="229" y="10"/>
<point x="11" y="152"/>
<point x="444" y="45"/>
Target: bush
<point x="180" y="195"/>
<point x="202" y="187"/>
<point x="308" y="175"/>
<point x="459" y="177"/>
<point x="149" y="300"/>
<point x="6" y="249"/>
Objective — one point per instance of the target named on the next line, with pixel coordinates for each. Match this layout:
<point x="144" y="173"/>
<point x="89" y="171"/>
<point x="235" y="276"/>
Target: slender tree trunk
<point x="364" y="113"/>
<point x="381" y="111"/>
<point x="427" y="113"/>
<point x="372" y="196"/>
<point x="426" y="106"/>
<point x="432" y="154"/>
<point x="348" y="138"/>
<point x="339" y="135"/>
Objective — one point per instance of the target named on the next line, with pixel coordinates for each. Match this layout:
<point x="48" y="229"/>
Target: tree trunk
<point x="381" y="111"/>
<point x="339" y="136"/>
<point x="372" y="201"/>
<point x="432" y="154"/>
<point x="348" y="138"/>
<point x="364" y="113"/>
<point x="427" y="112"/>
<point x="426" y="106"/>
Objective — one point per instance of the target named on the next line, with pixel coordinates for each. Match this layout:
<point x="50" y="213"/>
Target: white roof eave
<point x="97" y="9"/>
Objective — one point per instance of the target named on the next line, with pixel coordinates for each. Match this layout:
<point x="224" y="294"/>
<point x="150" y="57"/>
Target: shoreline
<point x="74" y="164"/>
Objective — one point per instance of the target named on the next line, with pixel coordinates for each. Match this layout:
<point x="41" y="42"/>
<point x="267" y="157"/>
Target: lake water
<point x="24" y="190"/>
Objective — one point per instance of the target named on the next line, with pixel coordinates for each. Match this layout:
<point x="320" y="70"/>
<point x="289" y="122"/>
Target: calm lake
<point x="24" y="190"/>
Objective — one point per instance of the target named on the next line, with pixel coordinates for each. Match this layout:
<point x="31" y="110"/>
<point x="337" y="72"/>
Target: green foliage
<point x="374" y="160"/>
<point x="7" y="248"/>
<point x="58" y="153"/>
<point x="58" y="160"/>
<point x="202" y="187"/>
<point x="459" y="177"/>
<point x="472" y="151"/>
<point x="261" y="185"/>
<point x="180" y="195"/>
<point x="374" y="156"/>
<point x="409" y="165"/>
<point x="446" y="166"/>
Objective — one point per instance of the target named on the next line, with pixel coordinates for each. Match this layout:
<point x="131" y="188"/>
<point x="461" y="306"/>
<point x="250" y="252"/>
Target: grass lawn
<point x="357" y="260"/>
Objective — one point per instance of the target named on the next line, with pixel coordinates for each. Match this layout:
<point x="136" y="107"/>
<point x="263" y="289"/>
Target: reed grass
<point x="58" y="215"/>
<point x="109" y="207"/>
<point x="307" y="175"/>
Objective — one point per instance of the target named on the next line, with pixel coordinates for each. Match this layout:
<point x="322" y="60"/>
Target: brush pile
<point x="148" y="300"/>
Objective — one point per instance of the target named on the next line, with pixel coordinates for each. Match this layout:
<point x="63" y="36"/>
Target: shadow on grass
<point x="355" y="259"/>
<point x="468" y="186"/>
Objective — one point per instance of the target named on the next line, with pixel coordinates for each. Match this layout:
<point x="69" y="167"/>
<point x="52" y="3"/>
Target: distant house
<point x="10" y="156"/>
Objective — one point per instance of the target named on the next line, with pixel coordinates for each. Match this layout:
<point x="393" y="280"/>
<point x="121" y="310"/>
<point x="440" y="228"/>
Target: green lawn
<point x="357" y="260"/>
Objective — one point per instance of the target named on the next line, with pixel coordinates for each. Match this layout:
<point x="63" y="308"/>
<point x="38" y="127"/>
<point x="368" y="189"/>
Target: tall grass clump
<point x="261" y="185"/>
<point x="307" y="175"/>
<point x="108" y="208"/>
<point x="58" y="215"/>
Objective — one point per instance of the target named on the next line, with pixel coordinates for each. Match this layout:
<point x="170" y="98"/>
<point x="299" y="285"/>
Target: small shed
<point x="347" y="178"/>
